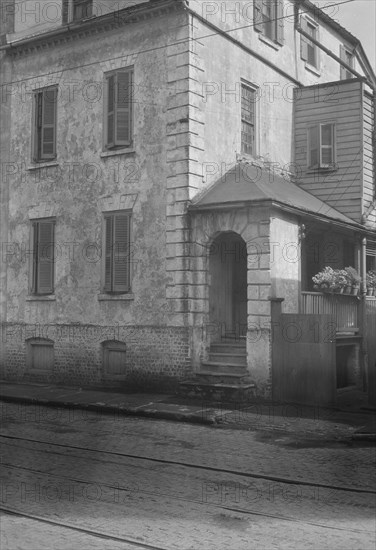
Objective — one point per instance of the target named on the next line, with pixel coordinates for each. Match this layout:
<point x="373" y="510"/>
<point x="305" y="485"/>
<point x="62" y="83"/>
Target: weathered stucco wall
<point x="84" y="182"/>
<point x="285" y="262"/>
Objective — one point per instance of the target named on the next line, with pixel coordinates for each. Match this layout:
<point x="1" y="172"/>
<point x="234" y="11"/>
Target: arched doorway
<point x="228" y="286"/>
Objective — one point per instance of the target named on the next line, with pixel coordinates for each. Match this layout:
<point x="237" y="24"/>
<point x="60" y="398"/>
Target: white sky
<point x="358" y="17"/>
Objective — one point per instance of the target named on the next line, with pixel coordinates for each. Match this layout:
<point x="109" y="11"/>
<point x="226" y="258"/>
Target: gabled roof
<point x="248" y="183"/>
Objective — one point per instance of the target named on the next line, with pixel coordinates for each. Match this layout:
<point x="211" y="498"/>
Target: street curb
<point x="108" y="409"/>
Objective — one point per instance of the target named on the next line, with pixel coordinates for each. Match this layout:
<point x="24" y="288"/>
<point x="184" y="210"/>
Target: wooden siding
<point x="340" y="103"/>
<point x="368" y="159"/>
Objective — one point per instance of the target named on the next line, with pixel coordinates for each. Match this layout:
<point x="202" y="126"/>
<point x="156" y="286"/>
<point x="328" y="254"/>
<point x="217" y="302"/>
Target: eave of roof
<point x="248" y="185"/>
<point x="92" y="25"/>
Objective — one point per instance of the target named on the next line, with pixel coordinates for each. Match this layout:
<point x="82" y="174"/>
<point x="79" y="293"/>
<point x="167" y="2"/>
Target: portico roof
<point x="247" y="183"/>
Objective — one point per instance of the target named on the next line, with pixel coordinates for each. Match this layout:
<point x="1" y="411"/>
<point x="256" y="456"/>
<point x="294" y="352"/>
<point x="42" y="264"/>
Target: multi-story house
<point x="173" y="175"/>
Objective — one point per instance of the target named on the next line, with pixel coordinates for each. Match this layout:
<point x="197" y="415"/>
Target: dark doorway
<point x="228" y="285"/>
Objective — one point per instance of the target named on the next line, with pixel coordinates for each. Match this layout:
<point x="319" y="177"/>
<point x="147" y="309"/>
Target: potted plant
<point x="340" y="280"/>
<point x="353" y="278"/>
<point x="324" y="281"/>
<point x="371" y="282"/>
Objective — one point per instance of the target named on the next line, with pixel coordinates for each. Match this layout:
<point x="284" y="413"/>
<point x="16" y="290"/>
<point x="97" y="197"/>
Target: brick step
<point x="215" y="366"/>
<point x="232" y="358"/>
<point x="217" y="392"/>
<point x="217" y="347"/>
<point x="222" y="377"/>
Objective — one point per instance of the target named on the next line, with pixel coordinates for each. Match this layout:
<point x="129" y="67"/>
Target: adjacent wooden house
<point x="174" y="174"/>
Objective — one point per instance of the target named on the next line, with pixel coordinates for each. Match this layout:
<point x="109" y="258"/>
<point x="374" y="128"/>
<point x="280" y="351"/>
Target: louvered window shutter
<point x="123" y="99"/>
<point x="303" y="40"/>
<point x="257" y="15"/>
<point x="121" y="253"/>
<point x="38" y="126"/>
<point x="45" y="258"/>
<point x="65" y="11"/>
<point x="110" y="111"/>
<point x="314" y="146"/>
<point x="48" y="130"/>
<point x="108" y="255"/>
<point x="280" y="37"/>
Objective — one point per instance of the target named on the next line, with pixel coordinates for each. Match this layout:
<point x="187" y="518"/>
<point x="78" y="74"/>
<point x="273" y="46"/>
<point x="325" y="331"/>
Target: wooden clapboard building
<point x="174" y="175"/>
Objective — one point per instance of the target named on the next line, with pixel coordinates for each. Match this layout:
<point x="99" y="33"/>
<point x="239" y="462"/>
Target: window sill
<point x="36" y="298"/>
<point x="321" y="170"/>
<point x="115" y="297"/>
<point x="38" y="165"/>
<point x="312" y="69"/>
<point x="270" y="42"/>
<point x="116" y="152"/>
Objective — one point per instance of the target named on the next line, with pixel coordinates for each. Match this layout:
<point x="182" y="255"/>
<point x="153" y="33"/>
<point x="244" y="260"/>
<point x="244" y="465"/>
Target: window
<point x="248" y="120"/>
<point x="117" y="252"/>
<point x="321" y="151"/>
<point x="114" y="358"/>
<point x="40" y="356"/>
<point x="76" y="10"/>
<point x="348" y="58"/>
<point x="45" y="111"/>
<point x="118" y="109"/>
<point x="43" y="235"/>
<point x="269" y="19"/>
<point x="309" y="51"/>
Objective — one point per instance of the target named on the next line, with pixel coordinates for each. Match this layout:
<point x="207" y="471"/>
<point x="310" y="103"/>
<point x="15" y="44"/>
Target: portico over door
<point x="228" y="286"/>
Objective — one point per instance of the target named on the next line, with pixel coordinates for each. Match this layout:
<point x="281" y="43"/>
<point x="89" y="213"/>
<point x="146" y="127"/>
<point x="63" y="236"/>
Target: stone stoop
<point x="224" y="377"/>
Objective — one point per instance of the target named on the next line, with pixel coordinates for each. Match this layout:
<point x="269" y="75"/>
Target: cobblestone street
<point x="76" y="475"/>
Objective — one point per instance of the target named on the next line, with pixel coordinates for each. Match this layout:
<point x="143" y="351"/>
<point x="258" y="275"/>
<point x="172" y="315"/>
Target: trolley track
<point x="116" y="459"/>
<point x="277" y="479"/>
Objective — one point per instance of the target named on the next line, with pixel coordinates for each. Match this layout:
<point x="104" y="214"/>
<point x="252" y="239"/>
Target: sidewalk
<point x="352" y="420"/>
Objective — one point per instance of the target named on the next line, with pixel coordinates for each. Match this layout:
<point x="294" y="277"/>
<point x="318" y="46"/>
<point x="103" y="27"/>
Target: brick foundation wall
<point x="156" y="358"/>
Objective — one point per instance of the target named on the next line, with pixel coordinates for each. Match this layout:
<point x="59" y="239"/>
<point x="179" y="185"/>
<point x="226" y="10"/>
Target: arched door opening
<point x="228" y="286"/>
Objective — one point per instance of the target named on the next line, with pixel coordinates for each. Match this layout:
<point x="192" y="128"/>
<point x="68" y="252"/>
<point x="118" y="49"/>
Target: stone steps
<point x="224" y="377"/>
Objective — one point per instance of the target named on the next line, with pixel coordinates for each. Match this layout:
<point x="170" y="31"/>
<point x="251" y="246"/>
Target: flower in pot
<point x="354" y="279"/>
<point x="324" y="281"/>
<point x="340" y="280"/>
<point x="371" y="282"/>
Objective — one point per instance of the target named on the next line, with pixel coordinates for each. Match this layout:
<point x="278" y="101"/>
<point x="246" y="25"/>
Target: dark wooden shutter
<point x="280" y="36"/>
<point x="35" y="258"/>
<point x="121" y="261"/>
<point x="37" y="126"/>
<point x="45" y="258"/>
<point x="303" y="40"/>
<point x="123" y="98"/>
<point x="65" y="11"/>
<point x="110" y="111"/>
<point x="314" y="146"/>
<point x="108" y="254"/>
<point x="48" y="139"/>
<point x="257" y="15"/>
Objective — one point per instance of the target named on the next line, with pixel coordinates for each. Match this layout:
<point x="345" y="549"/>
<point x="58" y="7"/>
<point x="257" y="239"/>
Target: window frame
<point x="344" y="51"/>
<point x="113" y="291"/>
<point x="305" y="22"/>
<point x="107" y="144"/>
<point x="254" y="90"/>
<point x="320" y="165"/>
<point x="109" y="346"/>
<point x="34" y="280"/>
<point x="38" y="126"/>
<point x="275" y="19"/>
<point x="69" y="10"/>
